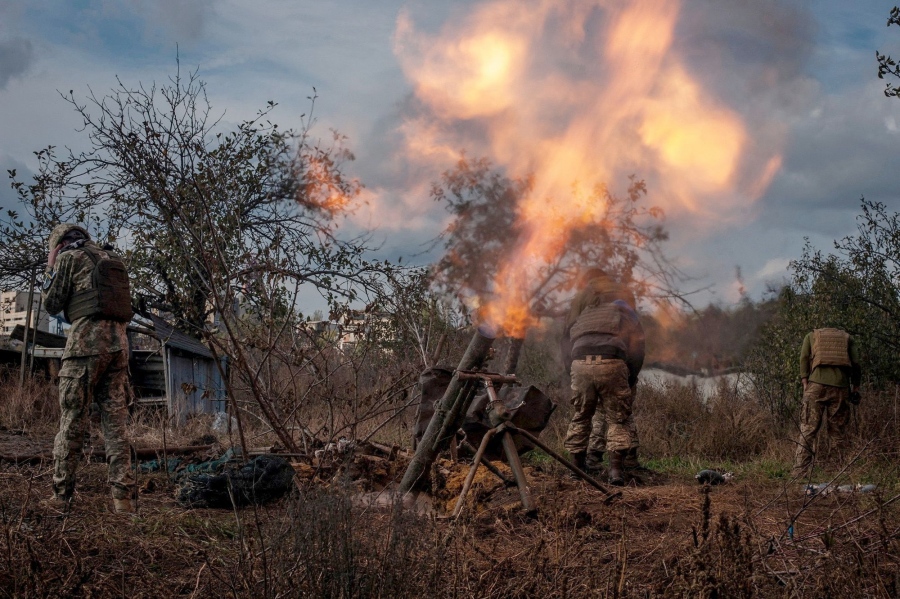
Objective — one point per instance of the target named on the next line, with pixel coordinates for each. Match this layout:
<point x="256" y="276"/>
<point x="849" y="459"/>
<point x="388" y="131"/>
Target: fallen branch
<point x="140" y="452"/>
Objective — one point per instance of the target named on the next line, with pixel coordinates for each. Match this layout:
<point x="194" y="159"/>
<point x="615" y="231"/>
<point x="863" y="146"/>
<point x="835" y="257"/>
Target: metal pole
<point x="512" y="454"/>
<point x="471" y="476"/>
<point x="581" y="474"/>
<point x="499" y="416"/>
<point x="487" y="463"/>
<point x="27" y="321"/>
<point x="512" y="355"/>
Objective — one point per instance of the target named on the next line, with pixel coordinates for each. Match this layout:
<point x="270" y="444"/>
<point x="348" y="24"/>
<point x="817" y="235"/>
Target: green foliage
<point x="856" y="289"/>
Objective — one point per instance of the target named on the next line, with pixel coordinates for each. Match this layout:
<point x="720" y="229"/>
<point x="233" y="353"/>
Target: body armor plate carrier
<point x="603" y="319"/>
<point x="830" y="348"/>
<point x="109" y="297"/>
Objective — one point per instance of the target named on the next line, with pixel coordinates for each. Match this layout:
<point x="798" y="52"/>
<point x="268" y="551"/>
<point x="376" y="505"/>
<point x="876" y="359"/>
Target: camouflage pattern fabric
<point x="94" y="370"/>
<point x="82" y="381"/>
<point x="86" y="337"/>
<point x="597" y="441"/>
<point x="822" y="404"/>
<point x="59" y="231"/>
<point x="601" y="385"/>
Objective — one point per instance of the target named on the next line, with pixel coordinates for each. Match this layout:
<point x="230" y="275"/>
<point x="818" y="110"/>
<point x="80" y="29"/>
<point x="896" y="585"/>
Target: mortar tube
<point x="512" y="355"/>
<point x="476" y="355"/>
<point x="456" y="415"/>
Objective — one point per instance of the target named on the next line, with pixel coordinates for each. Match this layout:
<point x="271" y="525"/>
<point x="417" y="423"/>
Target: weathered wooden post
<point x="28" y="324"/>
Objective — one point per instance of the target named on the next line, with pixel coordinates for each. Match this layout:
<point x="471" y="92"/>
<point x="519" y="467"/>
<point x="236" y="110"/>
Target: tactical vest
<point x="109" y="297"/>
<point x="829" y="348"/>
<point x="601" y="319"/>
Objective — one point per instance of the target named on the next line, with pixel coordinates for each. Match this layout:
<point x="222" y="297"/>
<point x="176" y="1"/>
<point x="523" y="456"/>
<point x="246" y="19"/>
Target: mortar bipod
<point x="499" y="417"/>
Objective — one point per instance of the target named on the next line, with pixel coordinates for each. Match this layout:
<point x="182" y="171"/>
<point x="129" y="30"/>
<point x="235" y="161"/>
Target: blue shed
<point x="183" y="369"/>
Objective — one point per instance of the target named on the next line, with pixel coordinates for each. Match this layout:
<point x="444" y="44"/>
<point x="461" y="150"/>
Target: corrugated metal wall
<point x="195" y="385"/>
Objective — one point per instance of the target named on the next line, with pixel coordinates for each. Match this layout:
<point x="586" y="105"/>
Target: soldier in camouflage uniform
<point x="599" y="331"/>
<point x="94" y="370"/>
<point x="830" y="373"/>
<point x="633" y="335"/>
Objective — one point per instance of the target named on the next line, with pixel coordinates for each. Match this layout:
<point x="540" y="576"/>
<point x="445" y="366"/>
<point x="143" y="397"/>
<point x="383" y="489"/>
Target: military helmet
<point x="60" y="231"/>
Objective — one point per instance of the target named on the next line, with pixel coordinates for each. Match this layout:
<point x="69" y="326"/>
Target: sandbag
<point x="530" y="409"/>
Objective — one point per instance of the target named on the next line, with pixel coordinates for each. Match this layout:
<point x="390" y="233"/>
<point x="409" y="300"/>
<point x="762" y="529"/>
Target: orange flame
<point x="574" y="94"/>
<point x="323" y="187"/>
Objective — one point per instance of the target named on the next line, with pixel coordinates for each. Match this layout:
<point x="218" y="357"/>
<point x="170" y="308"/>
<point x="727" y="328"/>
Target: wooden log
<point x="140" y="452"/>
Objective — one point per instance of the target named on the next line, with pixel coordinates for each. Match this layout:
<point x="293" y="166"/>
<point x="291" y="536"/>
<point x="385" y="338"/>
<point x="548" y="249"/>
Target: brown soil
<point x="663" y="536"/>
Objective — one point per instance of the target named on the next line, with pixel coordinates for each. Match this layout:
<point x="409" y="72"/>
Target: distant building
<point x="14" y="309"/>
<point x="351" y="328"/>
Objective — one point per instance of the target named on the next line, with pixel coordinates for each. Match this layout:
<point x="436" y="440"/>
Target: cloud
<point x="16" y="57"/>
<point x="171" y="21"/>
<point x="843" y="150"/>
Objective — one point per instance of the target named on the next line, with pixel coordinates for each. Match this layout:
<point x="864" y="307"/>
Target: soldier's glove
<point x="855" y="398"/>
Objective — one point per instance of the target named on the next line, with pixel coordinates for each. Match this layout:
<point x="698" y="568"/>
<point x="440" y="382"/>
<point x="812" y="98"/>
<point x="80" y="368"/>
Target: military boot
<point x="631" y="460"/>
<point x="615" y="468"/>
<point x="578" y="459"/>
<point x="124" y="506"/>
<point x="594" y="461"/>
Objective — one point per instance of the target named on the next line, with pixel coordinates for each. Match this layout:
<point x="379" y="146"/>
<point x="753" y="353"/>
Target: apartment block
<point x="14" y="309"/>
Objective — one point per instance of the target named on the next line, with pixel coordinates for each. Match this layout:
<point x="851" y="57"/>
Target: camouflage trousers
<point x="597" y="441"/>
<point x="600" y="386"/>
<point x="102" y="380"/>
<point x="822" y="404"/>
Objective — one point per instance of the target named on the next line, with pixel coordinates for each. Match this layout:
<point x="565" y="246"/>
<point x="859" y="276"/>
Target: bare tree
<point x="226" y="229"/>
<point x="625" y="239"/>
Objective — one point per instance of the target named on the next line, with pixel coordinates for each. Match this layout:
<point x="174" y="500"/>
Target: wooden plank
<point x="43" y="338"/>
<point x="47" y="352"/>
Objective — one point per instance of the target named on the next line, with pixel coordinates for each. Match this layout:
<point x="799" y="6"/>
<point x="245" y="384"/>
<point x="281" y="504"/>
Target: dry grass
<point x="657" y="541"/>
<point x="759" y="536"/>
<point x="675" y="421"/>
<point x="34" y="407"/>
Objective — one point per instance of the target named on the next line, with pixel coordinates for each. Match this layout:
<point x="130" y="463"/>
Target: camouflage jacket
<point x="87" y="336"/>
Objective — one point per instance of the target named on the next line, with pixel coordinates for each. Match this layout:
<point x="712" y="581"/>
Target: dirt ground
<point x="664" y="536"/>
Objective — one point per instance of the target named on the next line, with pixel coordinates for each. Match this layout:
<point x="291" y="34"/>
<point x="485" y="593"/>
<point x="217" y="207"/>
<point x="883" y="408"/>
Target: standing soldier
<point x="598" y="329"/>
<point x="89" y="285"/>
<point x="633" y="335"/>
<point x="830" y="373"/>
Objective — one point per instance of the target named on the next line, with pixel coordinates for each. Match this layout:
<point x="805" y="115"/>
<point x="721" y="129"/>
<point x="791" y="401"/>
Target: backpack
<point x="109" y="297"/>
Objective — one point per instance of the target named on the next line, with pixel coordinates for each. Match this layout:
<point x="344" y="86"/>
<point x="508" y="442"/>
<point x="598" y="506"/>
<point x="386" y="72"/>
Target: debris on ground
<point x="263" y="479"/>
<point x="823" y="489"/>
<point x="713" y="477"/>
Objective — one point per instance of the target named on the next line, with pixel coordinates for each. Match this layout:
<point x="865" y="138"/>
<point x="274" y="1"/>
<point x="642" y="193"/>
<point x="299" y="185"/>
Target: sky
<point x="756" y="125"/>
